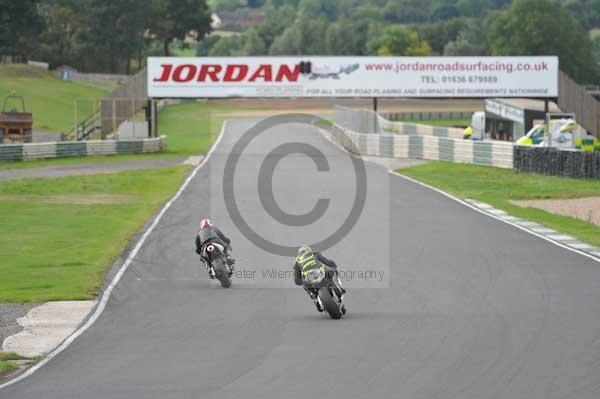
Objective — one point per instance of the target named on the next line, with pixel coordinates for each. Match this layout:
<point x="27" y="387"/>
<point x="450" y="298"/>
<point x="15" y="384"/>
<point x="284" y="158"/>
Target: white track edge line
<point x="557" y="243"/>
<point x="107" y="292"/>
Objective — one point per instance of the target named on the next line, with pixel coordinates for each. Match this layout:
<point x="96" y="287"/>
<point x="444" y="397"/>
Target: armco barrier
<point x="499" y="154"/>
<point x="554" y="162"/>
<point x="18" y="152"/>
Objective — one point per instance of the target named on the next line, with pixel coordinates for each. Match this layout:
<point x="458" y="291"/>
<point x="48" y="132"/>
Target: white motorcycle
<point x="216" y="262"/>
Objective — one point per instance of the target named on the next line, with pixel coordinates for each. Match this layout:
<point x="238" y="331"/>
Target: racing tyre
<point x="222" y="274"/>
<point x="329" y="303"/>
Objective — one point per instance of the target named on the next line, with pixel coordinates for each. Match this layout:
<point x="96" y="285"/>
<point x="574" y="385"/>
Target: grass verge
<point x="10" y="356"/>
<point x="51" y="100"/>
<point x="497" y="187"/>
<point x="190" y="127"/>
<point x="6" y="368"/>
<point x="7" y="364"/>
<point x="61" y="235"/>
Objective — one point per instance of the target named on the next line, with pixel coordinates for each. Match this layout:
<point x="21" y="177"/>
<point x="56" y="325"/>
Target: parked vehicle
<point x="563" y="132"/>
<point x="15" y="126"/>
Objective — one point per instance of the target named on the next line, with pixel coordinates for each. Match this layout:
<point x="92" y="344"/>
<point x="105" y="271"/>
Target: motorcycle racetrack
<point x="444" y="302"/>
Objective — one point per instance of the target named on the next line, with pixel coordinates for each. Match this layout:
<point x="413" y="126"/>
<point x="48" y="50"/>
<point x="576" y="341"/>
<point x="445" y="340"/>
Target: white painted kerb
<point x="46" y="326"/>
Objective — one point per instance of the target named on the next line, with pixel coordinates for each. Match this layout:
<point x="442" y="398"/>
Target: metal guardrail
<point x="85" y="128"/>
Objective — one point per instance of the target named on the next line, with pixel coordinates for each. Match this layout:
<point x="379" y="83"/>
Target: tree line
<point x="98" y="35"/>
<point x="405" y="11"/>
<point x="433" y="27"/>
<point x="116" y="35"/>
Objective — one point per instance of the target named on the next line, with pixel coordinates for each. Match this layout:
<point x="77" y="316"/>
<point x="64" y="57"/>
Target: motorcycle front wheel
<point x="329" y="304"/>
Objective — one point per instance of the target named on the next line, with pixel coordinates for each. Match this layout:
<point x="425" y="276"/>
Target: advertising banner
<point x="205" y="77"/>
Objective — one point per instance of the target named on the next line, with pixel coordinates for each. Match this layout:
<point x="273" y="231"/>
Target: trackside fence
<point x="124" y="102"/>
<point x="554" y="162"/>
<point x="574" y="98"/>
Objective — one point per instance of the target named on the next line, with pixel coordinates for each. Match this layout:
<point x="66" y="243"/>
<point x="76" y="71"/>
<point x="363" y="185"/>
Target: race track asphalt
<point x="469" y="307"/>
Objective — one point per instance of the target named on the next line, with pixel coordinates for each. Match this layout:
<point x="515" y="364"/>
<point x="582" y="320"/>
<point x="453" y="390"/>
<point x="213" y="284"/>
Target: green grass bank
<point x="51" y="100"/>
<point x="61" y="235"/>
<point x="497" y="187"/>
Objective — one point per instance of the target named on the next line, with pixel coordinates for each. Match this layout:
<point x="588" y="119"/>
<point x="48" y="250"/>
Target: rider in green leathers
<point x="307" y="260"/>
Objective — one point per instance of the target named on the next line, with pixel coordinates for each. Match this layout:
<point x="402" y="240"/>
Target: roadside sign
<point x="205" y="77"/>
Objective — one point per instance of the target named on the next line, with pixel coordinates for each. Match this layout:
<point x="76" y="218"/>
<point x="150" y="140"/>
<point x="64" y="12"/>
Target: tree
<point x="60" y="42"/>
<point x="227" y="46"/>
<point x="289" y="43"/>
<point x="304" y="37"/>
<point x="254" y="44"/>
<point x="368" y="11"/>
<point x="318" y="8"/>
<point x="444" y="12"/>
<point x="399" y="41"/>
<point x="471" y="41"/>
<point x="407" y="10"/>
<point x="473" y="8"/>
<point x="542" y="27"/>
<point x="586" y="11"/>
<point x="227" y="5"/>
<point x="19" y="25"/>
<point x="176" y="19"/>
<point x="596" y="49"/>
<point x="112" y="49"/>
<point x="347" y="38"/>
<point x="276" y="21"/>
<point x="438" y="34"/>
<point x="255" y="3"/>
<point x="206" y="44"/>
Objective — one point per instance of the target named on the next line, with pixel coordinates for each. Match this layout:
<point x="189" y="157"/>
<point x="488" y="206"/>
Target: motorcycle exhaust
<point x="210" y="248"/>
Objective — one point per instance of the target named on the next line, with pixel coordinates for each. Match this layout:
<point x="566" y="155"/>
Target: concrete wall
<point x="426" y="115"/>
<point x="420" y="130"/>
<point x="18" y="152"/>
<point x="427" y="147"/>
